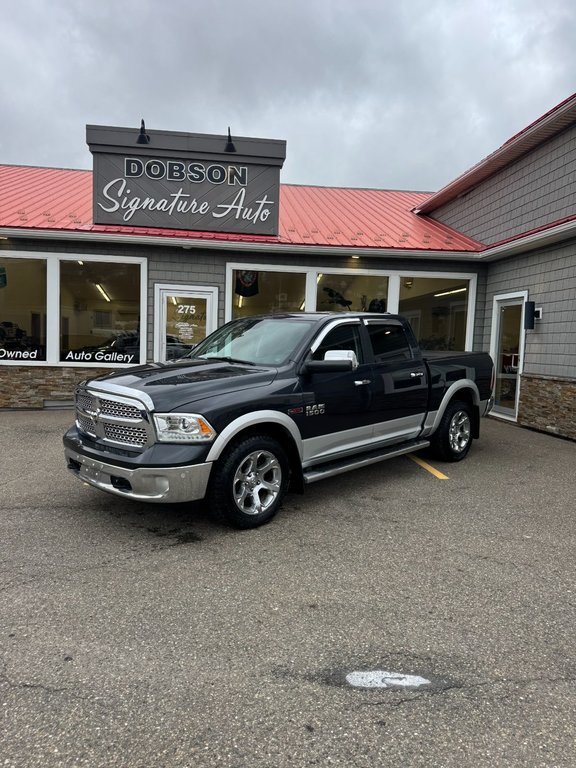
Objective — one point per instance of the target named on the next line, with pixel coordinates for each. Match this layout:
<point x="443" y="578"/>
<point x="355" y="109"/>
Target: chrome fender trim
<point x="254" y="419"/>
<point x="434" y="417"/>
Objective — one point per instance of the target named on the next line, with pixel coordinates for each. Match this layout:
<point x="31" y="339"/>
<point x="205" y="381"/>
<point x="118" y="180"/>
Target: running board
<point x="332" y="468"/>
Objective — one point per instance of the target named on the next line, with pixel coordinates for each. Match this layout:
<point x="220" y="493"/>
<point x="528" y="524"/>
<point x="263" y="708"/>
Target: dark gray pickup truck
<point x="274" y="402"/>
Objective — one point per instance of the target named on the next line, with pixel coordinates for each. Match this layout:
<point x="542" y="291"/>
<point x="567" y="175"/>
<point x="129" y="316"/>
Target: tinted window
<point x="389" y="342"/>
<point x="341" y="337"/>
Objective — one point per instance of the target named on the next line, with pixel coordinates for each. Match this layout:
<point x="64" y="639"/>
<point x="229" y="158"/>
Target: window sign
<point x="74" y="310"/>
<point x="185" y="317"/>
<point x="99" y="312"/>
<point x="22" y="310"/>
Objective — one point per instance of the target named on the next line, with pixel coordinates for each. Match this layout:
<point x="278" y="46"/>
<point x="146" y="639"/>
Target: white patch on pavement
<point x="378" y="678"/>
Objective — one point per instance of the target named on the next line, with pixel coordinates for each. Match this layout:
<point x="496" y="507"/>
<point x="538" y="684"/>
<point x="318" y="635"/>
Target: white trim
<point x="513" y="298"/>
<point x="53" y="305"/>
<point x="393" y="299"/>
<point x="161" y="290"/>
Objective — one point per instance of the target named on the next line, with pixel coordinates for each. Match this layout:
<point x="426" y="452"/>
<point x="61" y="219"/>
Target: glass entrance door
<point x="184" y="315"/>
<point x="507" y="352"/>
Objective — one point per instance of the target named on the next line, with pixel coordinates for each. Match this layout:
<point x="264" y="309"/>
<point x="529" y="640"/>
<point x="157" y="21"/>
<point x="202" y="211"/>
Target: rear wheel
<point x="453" y="438"/>
<point x="249" y="482"/>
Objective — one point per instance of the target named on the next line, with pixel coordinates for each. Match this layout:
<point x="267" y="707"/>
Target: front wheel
<point x="249" y="482"/>
<point x="453" y="438"/>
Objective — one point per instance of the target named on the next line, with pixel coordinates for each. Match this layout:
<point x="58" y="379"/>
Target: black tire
<point x="249" y="482"/>
<point x="453" y="438"/>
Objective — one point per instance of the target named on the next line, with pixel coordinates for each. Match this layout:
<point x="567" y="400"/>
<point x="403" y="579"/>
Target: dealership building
<point x="171" y="234"/>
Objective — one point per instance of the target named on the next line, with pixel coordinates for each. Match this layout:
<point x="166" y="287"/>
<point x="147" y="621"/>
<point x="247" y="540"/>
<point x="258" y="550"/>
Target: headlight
<point x="183" y="428"/>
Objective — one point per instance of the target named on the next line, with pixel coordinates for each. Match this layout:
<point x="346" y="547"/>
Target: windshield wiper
<point x="226" y="359"/>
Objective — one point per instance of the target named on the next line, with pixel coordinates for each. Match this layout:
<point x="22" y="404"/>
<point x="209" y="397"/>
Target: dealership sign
<point x="186" y="181"/>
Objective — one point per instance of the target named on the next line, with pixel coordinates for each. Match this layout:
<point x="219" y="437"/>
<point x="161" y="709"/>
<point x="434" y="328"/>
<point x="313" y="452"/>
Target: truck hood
<point x="174" y="385"/>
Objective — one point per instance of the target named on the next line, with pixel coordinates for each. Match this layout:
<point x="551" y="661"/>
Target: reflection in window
<point x="260" y="292"/>
<point x="437" y="309"/>
<point x="22" y="309"/>
<point x="389" y="342"/>
<point x="346" y="337"/>
<point x="357" y="293"/>
<point x="99" y="312"/>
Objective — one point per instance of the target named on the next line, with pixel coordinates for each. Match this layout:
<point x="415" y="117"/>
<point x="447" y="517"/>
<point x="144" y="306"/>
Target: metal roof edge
<point x="540" y="130"/>
<point x="227" y="245"/>
<point x="529" y="242"/>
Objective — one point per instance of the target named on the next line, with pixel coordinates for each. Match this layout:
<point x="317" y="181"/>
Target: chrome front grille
<point x="119" y="410"/>
<point x="86" y="424"/>
<point x="85" y="402"/>
<point x="119" y="420"/>
<point x="120" y="433"/>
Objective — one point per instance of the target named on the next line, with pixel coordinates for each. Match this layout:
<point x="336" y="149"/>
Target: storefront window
<point x="358" y="293"/>
<point x="22" y="309"/>
<point x="99" y="312"/>
<point x="437" y="309"/>
<point x="261" y="292"/>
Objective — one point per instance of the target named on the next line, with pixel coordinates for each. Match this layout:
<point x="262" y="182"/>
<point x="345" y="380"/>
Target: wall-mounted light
<point x="102" y="292"/>
<point x="320" y="276"/>
<point x="449" y="293"/>
<point x="81" y="263"/>
<point x="143" y="137"/>
<point x="356" y="257"/>
<point x="408" y="282"/>
<point x="532" y="314"/>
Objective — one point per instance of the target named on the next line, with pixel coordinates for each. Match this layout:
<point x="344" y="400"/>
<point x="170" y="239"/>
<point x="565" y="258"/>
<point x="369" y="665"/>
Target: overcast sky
<point x="395" y="94"/>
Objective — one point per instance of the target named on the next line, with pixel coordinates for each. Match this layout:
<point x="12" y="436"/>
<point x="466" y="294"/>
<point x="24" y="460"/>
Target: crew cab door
<point x="399" y="382"/>
<point x="336" y="416"/>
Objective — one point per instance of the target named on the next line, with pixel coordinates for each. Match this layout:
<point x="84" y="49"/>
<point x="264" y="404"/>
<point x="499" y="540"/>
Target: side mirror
<point x="335" y="361"/>
<point x="342" y="354"/>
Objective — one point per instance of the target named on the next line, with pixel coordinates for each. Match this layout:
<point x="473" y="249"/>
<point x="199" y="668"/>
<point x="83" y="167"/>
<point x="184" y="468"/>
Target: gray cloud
<point x="402" y="94"/>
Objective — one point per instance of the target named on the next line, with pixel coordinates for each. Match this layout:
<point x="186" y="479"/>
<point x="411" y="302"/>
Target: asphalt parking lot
<point x="135" y="635"/>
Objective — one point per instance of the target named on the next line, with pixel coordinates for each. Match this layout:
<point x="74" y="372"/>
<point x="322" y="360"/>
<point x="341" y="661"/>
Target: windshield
<point x="255" y="340"/>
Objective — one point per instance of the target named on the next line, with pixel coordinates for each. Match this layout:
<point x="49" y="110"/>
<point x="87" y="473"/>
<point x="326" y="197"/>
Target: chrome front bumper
<point x="164" y="485"/>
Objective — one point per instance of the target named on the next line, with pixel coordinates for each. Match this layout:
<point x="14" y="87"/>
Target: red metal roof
<point x="56" y="199"/>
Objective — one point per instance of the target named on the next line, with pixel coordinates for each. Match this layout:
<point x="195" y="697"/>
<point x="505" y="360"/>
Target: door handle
<point x="416" y="374"/>
<point x="362" y="382"/>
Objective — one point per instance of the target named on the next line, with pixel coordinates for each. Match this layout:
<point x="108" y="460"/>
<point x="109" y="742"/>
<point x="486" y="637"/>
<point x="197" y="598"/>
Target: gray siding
<point x="549" y="276"/>
<point x="534" y="191"/>
<point x="207" y="267"/>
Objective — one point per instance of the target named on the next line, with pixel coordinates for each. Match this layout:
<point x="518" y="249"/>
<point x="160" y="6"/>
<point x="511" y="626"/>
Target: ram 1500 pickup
<point x="274" y="402"/>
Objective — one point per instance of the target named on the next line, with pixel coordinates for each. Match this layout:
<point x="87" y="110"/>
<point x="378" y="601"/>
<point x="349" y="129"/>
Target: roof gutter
<point x="227" y="245"/>
<point x="530" y="242"/>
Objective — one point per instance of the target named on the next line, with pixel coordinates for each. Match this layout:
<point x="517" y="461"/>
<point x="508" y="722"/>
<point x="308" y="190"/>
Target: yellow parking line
<point x="428" y="467"/>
